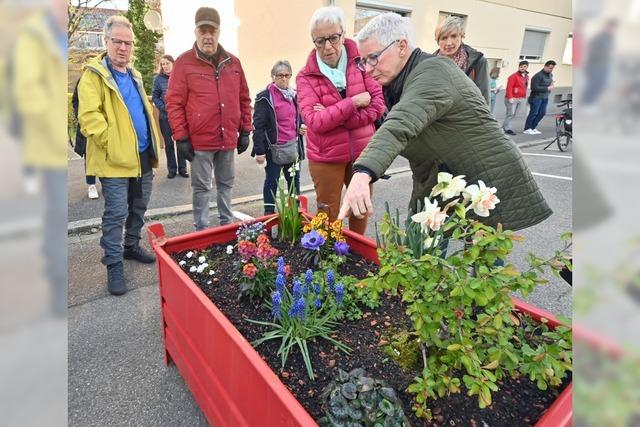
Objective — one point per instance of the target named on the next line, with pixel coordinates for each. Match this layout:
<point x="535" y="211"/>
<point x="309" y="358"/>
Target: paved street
<point x="116" y="373"/>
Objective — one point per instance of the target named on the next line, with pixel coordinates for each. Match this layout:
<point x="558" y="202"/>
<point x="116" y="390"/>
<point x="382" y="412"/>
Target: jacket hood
<point x="312" y="67"/>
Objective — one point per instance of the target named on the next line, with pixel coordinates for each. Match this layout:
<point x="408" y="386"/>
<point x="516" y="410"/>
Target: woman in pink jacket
<point x="339" y="104"/>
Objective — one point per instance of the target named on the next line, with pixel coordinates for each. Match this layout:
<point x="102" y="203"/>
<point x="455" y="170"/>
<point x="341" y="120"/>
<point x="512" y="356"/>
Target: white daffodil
<point x="193" y="269"/>
<point x="189" y="254"/>
<point x="202" y="259"/>
<point x="431" y="218"/>
<point x="229" y="249"/>
<point x="182" y="263"/>
<point x="483" y="198"/>
<point x="449" y="186"/>
<point x="428" y="242"/>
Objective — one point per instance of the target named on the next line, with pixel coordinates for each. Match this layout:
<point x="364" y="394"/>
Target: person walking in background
<point x="494" y="74"/>
<point x="209" y="111"/>
<point x="160" y="84"/>
<point x="449" y="37"/>
<point x="429" y="124"/>
<point x="339" y="104"/>
<point x="541" y="86"/>
<point x="80" y="148"/>
<point x="515" y="95"/>
<point x="276" y="122"/>
<point x="598" y="64"/>
<point x="122" y="147"/>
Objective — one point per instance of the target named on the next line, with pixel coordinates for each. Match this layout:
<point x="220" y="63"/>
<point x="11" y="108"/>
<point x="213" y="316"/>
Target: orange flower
<point x="250" y="270"/>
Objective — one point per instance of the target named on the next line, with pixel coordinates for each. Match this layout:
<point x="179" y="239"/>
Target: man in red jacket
<point x="516" y="94"/>
<point x="209" y="111"/>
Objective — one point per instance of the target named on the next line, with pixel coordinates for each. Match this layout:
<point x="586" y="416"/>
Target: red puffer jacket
<point x="339" y="133"/>
<point x="208" y="105"/>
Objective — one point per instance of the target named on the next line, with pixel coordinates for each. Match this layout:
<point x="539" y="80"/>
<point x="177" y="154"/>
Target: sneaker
<point x="115" y="279"/>
<point x="92" y="192"/>
<point x="509" y="132"/>
<point x="529" y="132"/>
<point x="536" y="131"/>
<point x="138" y="254"/>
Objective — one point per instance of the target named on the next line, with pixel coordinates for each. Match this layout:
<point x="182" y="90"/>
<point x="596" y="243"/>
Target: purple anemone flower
<point x="312" y="240"/>
<point x="341" y="248"/>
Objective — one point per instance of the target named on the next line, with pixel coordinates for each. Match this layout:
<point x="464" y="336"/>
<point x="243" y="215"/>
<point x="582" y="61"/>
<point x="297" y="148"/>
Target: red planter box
<point x="233" y="386"/>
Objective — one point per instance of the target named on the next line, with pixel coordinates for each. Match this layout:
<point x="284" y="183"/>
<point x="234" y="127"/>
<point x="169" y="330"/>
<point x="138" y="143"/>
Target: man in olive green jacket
<point x="437" y="119"/>
<point x="122" y="147"/>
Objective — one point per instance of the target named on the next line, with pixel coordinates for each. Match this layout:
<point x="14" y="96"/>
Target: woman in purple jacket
<point x="339" y="104"/>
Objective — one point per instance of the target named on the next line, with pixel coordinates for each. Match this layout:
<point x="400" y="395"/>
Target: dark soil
<point x="518" y="403"/>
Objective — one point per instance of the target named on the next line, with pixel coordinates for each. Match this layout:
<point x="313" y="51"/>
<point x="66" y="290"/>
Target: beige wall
<point x="270" y="31"/>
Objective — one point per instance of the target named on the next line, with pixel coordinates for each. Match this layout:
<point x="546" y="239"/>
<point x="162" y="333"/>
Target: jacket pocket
<point x="119" y="150"/>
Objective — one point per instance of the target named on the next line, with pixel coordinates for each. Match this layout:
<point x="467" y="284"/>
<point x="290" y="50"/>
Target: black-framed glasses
<point x="119" y="42"/>
<point x="333" y="39"/>
<point x="372" y="59"/>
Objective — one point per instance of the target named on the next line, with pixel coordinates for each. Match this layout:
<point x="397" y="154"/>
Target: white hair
<point x="386" y="28"/>
<point x="328" y="14"/>
<point x="116" y="21"/>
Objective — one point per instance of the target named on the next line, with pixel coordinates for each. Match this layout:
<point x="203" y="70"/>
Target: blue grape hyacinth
<point x="280" y="283"/>
<point x="281" y="266"/>
<point x="339" y="293"/>
<point x="331" y="278"/>
<point x="275" y="304"/>
<point x="297" y="289"/>
<point x="298" y="309"/>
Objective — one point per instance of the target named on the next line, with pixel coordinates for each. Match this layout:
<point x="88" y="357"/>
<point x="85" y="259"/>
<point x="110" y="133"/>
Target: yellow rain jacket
<point x="112" y="143"/>
<point x="39" y="79"/>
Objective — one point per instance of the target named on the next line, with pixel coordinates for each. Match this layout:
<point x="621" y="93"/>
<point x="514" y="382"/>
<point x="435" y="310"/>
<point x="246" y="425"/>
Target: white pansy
<point x="483" y="198"/>
<point x="202" y="259"/>
<point x="229" y="249"/>
<point x="182" y="263"/>
<point x="449" y="186"/>
<point x="193" y="269"/>
<point x="431" y="218"/>
<point x="189" y="254"/>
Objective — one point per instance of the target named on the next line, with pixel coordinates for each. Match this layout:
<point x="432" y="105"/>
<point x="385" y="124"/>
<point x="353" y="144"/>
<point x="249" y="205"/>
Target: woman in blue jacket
<point x="160" y="83"/>
<point x="276" y="121"/>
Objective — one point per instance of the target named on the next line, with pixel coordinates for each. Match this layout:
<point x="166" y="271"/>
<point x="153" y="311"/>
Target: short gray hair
<point x="386" y="28"/>
<point x="280" y="64"/>
<point x="329" y="14"/>
<point x="451" y="25"/>
<point x="116" y="21"/>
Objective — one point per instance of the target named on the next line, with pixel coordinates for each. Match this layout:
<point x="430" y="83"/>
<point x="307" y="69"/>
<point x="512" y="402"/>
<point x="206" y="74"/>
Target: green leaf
<point x="349" y="391"/>
<point x="386" y="407"/>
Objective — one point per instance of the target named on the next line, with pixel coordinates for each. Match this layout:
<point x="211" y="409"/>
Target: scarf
<point x="288" y="93"/>
<point x="338" y="75"/>
<point x="461" y="57"/>
<point x="393" y="92"/>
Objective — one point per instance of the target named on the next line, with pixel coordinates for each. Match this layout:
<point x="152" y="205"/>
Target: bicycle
<point x="564" y="126"/>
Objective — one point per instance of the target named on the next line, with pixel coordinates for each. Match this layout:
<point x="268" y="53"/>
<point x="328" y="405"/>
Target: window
<point x="493" y="62"/>
<point x="90" y="40"/>
<point x="367" y="10"/>
<point x="567" y="57"/>
<point x="444" y="15"/>
<point x="533" y="44"/>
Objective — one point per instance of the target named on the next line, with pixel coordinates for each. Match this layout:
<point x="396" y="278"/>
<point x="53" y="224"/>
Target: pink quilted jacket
<point x="339" y="133"/>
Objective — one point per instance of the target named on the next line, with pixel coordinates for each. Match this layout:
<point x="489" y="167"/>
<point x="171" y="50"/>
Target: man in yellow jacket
<point x="122" y="147"/>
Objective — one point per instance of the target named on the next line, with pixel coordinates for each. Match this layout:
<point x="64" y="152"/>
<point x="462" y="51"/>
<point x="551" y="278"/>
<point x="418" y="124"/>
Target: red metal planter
<point x="232" y="384"/>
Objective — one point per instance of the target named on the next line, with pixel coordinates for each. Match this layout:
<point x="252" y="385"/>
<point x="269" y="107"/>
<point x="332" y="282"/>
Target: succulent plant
<point x="355" y="400"/>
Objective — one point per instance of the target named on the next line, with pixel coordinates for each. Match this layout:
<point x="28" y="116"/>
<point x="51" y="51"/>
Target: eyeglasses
<point x="333" y="39"/>
<point x="373" y="58"/>
<point x="283" y="76"/>
<point x="119" y="42"/>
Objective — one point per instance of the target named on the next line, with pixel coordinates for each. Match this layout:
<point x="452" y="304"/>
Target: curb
<point x="85" y="225"/>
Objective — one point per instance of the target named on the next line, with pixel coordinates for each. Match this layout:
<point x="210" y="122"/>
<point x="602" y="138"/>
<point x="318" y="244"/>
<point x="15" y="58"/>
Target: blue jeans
<point x="170" y="149"/>
<point x="125" y="203"/>
<point x="270" y="188"/>
<point x="538" y="108"/>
